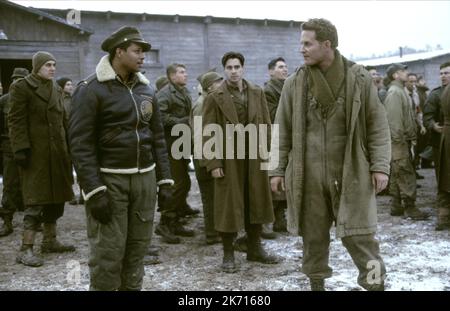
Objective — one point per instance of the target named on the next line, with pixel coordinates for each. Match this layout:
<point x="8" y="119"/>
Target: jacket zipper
<point x="137" y="122"/>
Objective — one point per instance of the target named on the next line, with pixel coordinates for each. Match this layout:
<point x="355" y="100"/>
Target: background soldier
<point x="443" y="221"/>
<point x="402" y="124"/>
<point x="325" y="107"/>
<point x="242" y="193"/>
<point x="175" y="104"/>
<point x="117" y="140"/>
<point x="38" y="125"/>
<point x="12" y="199"/>
<point x="432" y="116"/>
<point x="278" y="72"/>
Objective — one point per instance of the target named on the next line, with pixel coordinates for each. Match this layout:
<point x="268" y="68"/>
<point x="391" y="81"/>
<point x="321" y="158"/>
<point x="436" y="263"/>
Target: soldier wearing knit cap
<point x="37" y="127"/>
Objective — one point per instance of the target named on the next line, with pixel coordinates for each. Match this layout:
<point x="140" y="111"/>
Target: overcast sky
<point x="364" y="27"/>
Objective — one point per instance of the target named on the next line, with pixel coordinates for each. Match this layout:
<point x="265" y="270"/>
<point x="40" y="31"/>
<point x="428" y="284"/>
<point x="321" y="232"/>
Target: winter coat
<point x="116" y="128"/>
<point x="443" y="173"/>
<point x="367" y="150"/>
<point x="37" y="122"/>
<point x="401" y="120"/>
<point x="272" y="90"/>
<point x="229" y="191"/>
<point x="432" y="114"/>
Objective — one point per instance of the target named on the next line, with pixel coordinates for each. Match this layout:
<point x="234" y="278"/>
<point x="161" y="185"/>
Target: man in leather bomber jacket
<point x="119" y="152"/>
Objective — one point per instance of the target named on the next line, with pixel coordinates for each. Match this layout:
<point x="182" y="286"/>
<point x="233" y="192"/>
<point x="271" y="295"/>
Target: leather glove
<point x="165" y="194"/>
<point x="22" y="157"/>
<point x="100" y="207"/>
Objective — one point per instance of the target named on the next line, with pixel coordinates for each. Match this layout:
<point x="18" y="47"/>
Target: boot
<point x="240" y="244"/>
<point x="280" y="224"/>
<point x="188" y="211"/>
<point x="317" y="285"/>
<point x="49" y="242"/>
<point x="443" y="221"/>
<point x="228" y="264"/>
<point x="151" y="260"/>
<point x="26" y="255"/>
<point x="255" y="250"/>
<point x="396" y="206"/>
<point x="7" y="228"/>
<point x="413" y="212"/>
<point x="267" y="233"/>
<point x="178" y="229"/>
<point x="163" y="230"/>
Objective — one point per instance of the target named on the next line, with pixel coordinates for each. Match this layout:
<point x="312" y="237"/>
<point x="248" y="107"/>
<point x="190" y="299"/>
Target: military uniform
<point x="120" y="155"/>
<point x="403" y="134"/>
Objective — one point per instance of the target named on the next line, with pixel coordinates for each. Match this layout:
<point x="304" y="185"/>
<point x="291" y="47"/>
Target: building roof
<point x="46" y="15"/>
<point x="405" y="59"/>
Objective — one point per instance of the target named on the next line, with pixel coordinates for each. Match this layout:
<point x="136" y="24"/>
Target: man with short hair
<point x="12" y="199"/>
<point x="242" y="197"/>
<point x="402" y="125"/>
<point x="120" y="156"/>
<point x="37" y="127"/>
<point x="434" y="122"/>
<point x="175" y="105"/>
<point x="333" y="156"/>
<point x="278" y="72"/>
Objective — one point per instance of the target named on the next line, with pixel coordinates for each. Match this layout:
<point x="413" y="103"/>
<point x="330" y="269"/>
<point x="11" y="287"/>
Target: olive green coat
<point x="37" y="122"/>
<point x="229" y="191"/>
<point x="367" y="150"/>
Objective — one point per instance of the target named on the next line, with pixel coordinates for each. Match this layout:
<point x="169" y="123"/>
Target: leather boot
<point x="280" y="224"/>
<point x="413" y="212"/>
<point x="163" y="230"/>
<point x="267" y="232"/>
<point x="26" y="255"/>
<point x="443" y="219"/>
<point x="396" y="206"/>
<point x="317" y="285"/>
<point x="240" y="244"/>
<point x="228" y="264"/>
<point x="177" y="228"/>
<point x="7" y="228"/>
<point x="49" y="242"/>
<point x="255" y="250"/>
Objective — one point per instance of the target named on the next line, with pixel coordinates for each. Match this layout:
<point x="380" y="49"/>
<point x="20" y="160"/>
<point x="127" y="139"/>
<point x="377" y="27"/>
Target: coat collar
<point x="105" y="72"/>
<point x="47" y="92"/>
<point x="227" y="107"/>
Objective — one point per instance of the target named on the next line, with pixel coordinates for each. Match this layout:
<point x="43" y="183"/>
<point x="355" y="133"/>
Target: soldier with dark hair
<point x="242" y="197"/>
<point x="120" y="156"/>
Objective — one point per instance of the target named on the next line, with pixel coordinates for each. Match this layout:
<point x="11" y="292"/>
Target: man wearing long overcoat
<point x="334" y="153"/>
<point x="37" y="125"/>
<point x="242" y="197"/>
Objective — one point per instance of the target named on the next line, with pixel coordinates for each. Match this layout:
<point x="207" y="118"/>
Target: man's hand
<point x="100" y="207"/>
<point x="423" y="130"/>
<point x="277" y="183"/>
<point x="22" y="157"/>
<point x="437" y="128"/>
<point x="379" y="181"/>
<point x="217" y="173"/>
<point x="165" y="194"/>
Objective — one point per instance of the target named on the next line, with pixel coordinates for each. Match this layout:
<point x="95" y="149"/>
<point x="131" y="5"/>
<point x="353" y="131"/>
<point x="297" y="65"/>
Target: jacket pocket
<point x="110" y="135"/>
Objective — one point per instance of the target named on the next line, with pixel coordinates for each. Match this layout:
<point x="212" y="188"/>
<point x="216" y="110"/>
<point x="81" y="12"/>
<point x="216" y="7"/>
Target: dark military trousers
<point x="117" y="249"/>
<point x="206" y="185"/>
<point x="180" y="175"/>
<point x="12" y="199"/>
<point x="34" y="215"/>
<point x="403" y="180"/>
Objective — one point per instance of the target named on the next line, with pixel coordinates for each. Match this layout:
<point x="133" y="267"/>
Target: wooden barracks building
<point x="197" y="42"/>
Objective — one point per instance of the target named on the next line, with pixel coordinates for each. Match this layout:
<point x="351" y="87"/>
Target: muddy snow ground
<point x="416" y="257"/>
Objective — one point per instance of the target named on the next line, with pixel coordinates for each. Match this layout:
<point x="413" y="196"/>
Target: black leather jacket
<point x="116" y="128"/>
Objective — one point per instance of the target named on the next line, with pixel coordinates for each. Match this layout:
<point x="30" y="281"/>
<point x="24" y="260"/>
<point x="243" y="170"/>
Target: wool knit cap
<point x="40" y="58"/>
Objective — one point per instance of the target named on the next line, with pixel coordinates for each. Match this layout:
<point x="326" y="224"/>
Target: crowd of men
<point x="340" y="131"/>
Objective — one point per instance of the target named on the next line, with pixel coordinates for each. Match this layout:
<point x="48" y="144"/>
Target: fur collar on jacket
<point x="105" y="72"/>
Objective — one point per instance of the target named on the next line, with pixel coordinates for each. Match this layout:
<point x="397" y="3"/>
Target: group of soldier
<point x="335" y="149"/>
